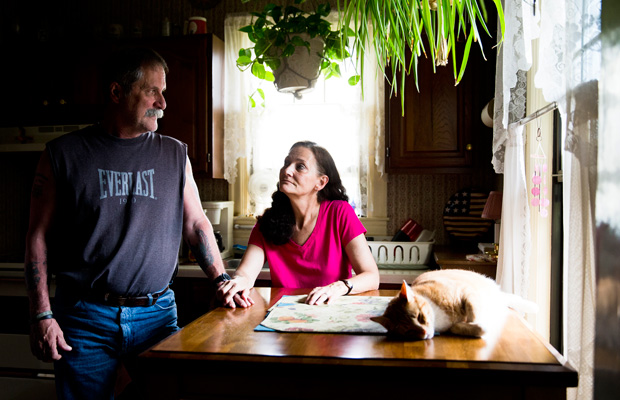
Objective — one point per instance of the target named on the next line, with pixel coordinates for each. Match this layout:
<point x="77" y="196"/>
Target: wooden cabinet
<point x="194" y="98"/>
<point x="50" y="83"/>
<point x="437" y="133"/>
<point x="58" y="83"/>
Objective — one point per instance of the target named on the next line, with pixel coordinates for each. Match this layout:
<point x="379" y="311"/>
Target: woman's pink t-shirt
<point x="322" y="259"/>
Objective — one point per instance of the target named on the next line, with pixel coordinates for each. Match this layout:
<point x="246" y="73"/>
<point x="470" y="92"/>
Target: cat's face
<point x="408" y="316"/>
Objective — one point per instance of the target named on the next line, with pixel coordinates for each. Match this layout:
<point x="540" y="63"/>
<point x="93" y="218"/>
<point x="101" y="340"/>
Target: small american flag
<point x="462" y="214"/>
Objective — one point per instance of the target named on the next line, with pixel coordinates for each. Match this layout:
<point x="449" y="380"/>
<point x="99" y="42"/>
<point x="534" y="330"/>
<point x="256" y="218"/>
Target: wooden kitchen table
<point x="220" y="356"/>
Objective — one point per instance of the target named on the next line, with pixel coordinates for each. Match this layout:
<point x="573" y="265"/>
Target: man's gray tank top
<point x="120" y="211"/>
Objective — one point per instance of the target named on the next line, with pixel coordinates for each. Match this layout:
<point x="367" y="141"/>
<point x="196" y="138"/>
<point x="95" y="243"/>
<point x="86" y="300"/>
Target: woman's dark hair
<point x="277" y="222"/>
<point x="126" y="66"/>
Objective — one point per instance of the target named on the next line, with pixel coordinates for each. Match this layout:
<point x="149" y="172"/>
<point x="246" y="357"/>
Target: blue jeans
<point x="102" y="337"/>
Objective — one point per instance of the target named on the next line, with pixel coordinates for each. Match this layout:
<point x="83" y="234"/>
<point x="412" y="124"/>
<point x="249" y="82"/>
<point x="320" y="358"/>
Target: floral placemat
<point x="349" y="314"/>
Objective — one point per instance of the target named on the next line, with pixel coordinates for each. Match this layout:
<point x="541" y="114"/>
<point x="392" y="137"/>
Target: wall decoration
<point x="539" y="191"/>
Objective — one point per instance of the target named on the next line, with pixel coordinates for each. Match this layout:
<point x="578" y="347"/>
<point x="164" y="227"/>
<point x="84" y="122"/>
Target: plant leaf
<point x="354" y="80"/>
<point x="335" y="70"/>
<point x="244" y="60"/>
<point x="465" y="56"/>
<point x="258" y="70"/>
<point x="288" y="50"/>
<point x="273" y="63"/>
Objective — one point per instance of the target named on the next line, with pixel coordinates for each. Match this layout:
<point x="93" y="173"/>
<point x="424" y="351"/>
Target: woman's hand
<point x="325" y="294"/>
<point x="235" y="292"/>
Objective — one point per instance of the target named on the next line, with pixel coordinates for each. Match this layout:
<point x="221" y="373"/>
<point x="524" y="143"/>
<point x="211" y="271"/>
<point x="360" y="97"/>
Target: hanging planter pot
<point x="292" y="48"/>
<point x="298" y="73"/>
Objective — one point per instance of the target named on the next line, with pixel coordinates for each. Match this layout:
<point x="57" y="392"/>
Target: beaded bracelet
<point x="42" y="316"/>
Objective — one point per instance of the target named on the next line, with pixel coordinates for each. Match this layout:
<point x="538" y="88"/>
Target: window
<point x="334" y="115"/>
<point x="328" y="116"/>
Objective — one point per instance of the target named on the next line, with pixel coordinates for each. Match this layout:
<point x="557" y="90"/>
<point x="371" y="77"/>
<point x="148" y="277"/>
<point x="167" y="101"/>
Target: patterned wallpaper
<point x="421" y="197"/>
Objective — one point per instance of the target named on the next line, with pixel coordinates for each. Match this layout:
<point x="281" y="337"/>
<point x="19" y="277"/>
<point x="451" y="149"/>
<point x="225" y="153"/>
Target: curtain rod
<point x="549" y="107"/>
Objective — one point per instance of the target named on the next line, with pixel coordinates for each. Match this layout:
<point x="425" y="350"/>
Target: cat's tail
<point x="520" y="304"/>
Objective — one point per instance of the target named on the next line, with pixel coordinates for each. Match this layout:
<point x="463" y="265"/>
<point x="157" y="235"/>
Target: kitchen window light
<point x="334" y="115"/>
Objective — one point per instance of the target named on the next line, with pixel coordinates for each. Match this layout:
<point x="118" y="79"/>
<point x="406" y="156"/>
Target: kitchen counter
<point x="388" y="275"/>
<point x="12" y="279"/>
<point x="391" y="275"/>
<point x="194" y="271"/>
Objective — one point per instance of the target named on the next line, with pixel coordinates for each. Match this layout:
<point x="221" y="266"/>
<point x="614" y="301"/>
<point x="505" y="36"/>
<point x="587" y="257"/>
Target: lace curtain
<point x="237" y="86"/>
<point x="568" y="71"/>
<point x="513" y="61"/>
<point x="334" y="115"/>
<point x="570" y="54"/>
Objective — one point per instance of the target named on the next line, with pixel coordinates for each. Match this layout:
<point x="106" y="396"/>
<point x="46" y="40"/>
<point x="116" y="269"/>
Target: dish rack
<point x="414" y="255"/>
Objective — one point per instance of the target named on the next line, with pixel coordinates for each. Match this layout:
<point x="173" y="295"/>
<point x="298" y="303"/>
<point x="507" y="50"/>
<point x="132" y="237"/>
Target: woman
<point x="310" y="236"/>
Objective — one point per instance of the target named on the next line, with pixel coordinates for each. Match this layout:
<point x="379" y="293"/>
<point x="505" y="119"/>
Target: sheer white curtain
<point x="237" y="86"/>
<point x="513" y="260"/>
<point x="570" y="51"/>
<point x="334" y="115"/>
<point x="513" y="60"/>
<point x="568" y="71"/>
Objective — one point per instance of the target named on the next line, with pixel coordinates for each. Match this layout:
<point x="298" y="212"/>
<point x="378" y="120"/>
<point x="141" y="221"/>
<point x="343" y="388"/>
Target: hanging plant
<point x="286" y="40"/>
<point x="393" y="26"/>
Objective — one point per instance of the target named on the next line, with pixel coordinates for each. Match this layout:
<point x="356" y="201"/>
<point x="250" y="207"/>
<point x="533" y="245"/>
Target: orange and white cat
<point x="457" y="301"/>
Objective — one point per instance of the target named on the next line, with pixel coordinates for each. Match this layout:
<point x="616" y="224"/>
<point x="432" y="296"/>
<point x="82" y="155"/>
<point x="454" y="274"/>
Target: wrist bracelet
<point x="42" y="316"/>
<point x="222" y="278"/>
<point x="348" y="284"/>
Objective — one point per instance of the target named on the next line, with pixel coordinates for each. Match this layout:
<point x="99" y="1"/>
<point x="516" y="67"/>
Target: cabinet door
<point x="434" y="134"/>
<point x="184" y="93"/>
<point x="194" y="98"/>
<point x="58" y="84"/>
<point x="51" y="83"/>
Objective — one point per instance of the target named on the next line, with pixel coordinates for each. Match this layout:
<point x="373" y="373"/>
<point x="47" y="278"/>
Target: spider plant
<point x="392" y="26"/>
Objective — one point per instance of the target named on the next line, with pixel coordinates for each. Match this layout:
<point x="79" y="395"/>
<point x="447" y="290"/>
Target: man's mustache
<point x="154" y="112"/>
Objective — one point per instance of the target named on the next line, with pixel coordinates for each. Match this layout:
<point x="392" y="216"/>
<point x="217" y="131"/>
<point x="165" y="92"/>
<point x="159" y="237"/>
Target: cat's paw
<point x="468" y="329"/>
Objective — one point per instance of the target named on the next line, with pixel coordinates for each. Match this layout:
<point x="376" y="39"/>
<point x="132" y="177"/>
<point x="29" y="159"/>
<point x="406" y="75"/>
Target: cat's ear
<point x="405" y="291"/>
<point x="382" y="320"/>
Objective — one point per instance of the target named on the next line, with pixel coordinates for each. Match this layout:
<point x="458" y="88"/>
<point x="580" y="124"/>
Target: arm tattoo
<point x="32" y="275"/>
<point x="202" y="250"/>
<point x="37" y="186"/>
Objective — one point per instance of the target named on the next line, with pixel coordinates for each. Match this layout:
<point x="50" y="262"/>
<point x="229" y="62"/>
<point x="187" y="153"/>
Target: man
<point x="108" y="207"/>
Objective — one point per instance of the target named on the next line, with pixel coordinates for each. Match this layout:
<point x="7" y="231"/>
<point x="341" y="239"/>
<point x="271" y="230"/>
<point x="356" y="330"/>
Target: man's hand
<point x="235" y="292"/>
<point x="46" y="339"/>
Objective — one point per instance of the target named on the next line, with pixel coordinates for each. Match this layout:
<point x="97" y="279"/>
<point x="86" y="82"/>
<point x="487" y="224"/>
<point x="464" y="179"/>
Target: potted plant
<point x="292" y="48"/>
<point x="393" y="26"/>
